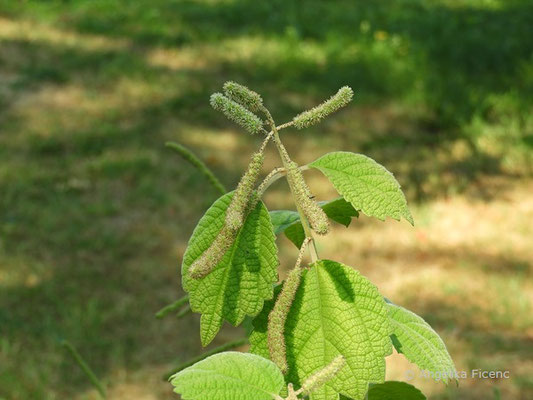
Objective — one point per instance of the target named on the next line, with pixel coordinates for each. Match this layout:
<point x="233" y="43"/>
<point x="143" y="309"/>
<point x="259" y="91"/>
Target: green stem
<point x="272" y="177"/>
<point x="279" y="127"/>
<point x="186" y="311"/>
<point x="85" y="368"/>
<point x="189" y="156"/>
<point x="220" y="349"/>
<point x="308" y="233"/>
<point x="172" y="307"/>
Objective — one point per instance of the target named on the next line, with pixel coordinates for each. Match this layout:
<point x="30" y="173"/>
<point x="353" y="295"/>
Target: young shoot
<point x="329" y="330"/>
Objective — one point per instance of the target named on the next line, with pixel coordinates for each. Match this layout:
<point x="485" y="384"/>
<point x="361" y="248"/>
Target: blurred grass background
<point x="95" y="213"/>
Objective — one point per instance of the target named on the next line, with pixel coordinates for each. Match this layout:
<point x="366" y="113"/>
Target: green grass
<point x="95" y="212"/>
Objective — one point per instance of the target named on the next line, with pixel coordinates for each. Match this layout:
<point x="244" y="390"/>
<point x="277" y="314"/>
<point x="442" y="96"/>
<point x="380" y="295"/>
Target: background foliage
<point x="95" y="212"/>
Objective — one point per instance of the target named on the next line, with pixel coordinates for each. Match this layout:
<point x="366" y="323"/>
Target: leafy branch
<point x="326" y="330"/>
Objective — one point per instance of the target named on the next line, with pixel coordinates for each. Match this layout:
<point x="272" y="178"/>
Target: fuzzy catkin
<point x="318" y="113"/>
<point x="236" y="112"/>
<point x="278" y="315"/>
<point x="244" y="96"/>
<point x="234" y="220"/>
<point x="317" y="217"/>
<point x="213" y="255"/>
<point x="277" y="318"/>
<point x="242" y="196"/>
<point x="318" y="379"/>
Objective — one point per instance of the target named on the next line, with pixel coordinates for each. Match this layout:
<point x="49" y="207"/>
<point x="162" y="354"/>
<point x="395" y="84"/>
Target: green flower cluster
<point x="235" y="216"/>
<point x="318" y="113"/>
<point x="244" y="96"/>
<point x="278" y="315"/>
<point x="236" y="212"/>
<point x="236" y="113"/>
<point x="213" y="255"/>
<point x="316" y="216"/>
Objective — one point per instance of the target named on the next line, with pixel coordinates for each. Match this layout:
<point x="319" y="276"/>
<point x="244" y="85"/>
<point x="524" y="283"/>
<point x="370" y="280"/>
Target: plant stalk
<point x="274" y="176"/>
<point x="305" y="223"/>
<point x="285" y="159"/>
<point x="193" y="159"/>
<point x="85" y="368"/>
<point x="172" y="307"/>
<point x="186" y="311"/>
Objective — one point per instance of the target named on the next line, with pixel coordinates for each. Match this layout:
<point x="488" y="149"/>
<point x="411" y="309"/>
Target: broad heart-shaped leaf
<point x="229" y="376"/>
<point x="420" y="344"/>
<point x="336" y="311"/>
<point x="393" y="390"/>
<point x="243" y="279"/>
<point x="365" y="183"/>
<point x="339" y="210"/>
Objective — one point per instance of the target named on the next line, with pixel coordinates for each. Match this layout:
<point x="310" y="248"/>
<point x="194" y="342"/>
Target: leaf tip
<point x="409" y="217"/>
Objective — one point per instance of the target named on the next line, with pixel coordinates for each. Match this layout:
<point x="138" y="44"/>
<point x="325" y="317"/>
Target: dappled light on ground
<point x="95" y="212"/>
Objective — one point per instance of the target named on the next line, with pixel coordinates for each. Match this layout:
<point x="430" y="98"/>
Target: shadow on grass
<point x="457" y="56"/>
<point x="477" y="339"/>
<point x="102" y="226"/>
<point x="453" y="66"/>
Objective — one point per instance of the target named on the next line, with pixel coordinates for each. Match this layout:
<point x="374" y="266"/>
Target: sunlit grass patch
<point x="95" y="212"/>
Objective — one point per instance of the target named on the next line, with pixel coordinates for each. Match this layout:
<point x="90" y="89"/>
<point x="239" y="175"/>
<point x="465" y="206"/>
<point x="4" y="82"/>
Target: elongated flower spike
<point x="236" y="112"/>
<point x="238" y="207"/>
<point x="278" y="315"/>
<point x="244" y="96"/>
<point x="213" y="255"/>
<point x="318" y="379"/>
<point x="318" y="113"/>
<point x="317" y="217"/>
<point x="243" y="200"/>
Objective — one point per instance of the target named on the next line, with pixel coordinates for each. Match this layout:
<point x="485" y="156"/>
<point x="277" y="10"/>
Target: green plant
<point x="326" y="330"/>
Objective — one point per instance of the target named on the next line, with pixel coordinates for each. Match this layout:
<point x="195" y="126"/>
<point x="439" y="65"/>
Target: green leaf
<point x="339" y="210"/>
<point x="296" y="234"/>
<point x="364" y="183"/>
<point x="228" y="376"/>
<point x="281" y="219"/>
<point x="393" y="390"/>
<point x="335" y="311"/>
<point x="258" y="337"/>
<point x="420" y="344"/>
<point x="243" y="279"/>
